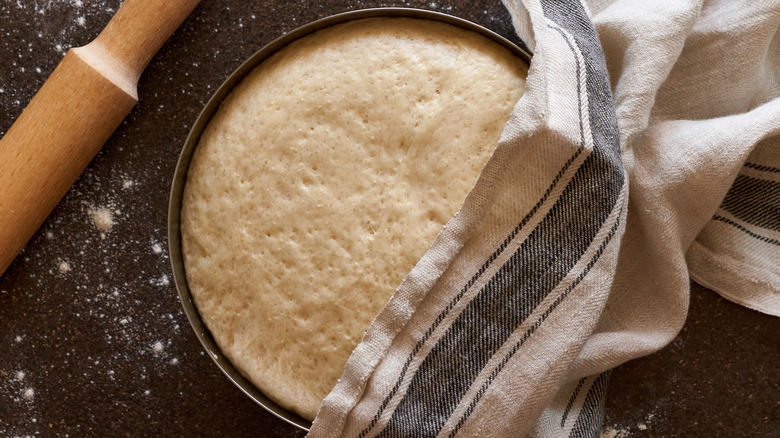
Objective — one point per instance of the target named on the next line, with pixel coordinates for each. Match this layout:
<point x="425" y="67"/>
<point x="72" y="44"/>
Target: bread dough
<point x="321" y="181"/>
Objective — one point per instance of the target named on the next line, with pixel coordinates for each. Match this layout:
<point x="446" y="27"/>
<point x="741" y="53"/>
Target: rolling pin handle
<point x="74" y="113"/>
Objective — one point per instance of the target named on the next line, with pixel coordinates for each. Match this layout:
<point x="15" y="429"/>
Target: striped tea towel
<point x="646" y="150"/>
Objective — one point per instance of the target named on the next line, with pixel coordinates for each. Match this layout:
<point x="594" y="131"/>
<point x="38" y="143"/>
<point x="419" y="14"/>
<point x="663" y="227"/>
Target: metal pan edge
<point x="182" y="166"/>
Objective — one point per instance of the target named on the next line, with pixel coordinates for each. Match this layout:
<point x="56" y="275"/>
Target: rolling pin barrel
<point x="75" y="112"/>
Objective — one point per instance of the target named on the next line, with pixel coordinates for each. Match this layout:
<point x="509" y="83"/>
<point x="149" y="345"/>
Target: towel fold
<point x="646" y="151"/>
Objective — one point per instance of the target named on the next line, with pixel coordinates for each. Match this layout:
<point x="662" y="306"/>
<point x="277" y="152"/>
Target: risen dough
<point x="321" y="181"/>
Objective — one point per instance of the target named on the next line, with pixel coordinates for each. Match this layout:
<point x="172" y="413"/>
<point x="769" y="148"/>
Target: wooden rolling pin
<point x="70" y="118"/>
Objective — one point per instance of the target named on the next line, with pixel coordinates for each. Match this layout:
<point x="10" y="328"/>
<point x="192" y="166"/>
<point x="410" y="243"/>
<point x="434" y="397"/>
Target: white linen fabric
<point x="646" y="151"/>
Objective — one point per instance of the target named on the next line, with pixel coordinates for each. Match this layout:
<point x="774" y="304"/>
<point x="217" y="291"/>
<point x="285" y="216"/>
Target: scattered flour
<point x="611" y="432"/>
<point x="626" y="431"/>
<point x="648" y="421"/>
<point x="102" y="218"/>
<point x="64" y="267"/>
<point x="132" y="324"/>
<point x="162" y="281"/>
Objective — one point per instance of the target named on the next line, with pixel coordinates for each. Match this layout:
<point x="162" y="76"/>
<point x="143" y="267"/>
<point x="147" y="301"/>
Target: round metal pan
<point x="180" y="176"/>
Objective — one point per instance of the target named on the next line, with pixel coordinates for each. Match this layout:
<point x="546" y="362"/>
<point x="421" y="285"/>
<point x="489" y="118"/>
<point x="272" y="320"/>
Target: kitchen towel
<point x="645" y="152"/>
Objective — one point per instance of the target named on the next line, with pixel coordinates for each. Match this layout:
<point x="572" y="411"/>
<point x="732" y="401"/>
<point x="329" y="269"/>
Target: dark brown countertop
<point x="94" y="340"/>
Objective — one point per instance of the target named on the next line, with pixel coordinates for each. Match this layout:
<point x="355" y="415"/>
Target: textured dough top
<point x="322" y="180"/>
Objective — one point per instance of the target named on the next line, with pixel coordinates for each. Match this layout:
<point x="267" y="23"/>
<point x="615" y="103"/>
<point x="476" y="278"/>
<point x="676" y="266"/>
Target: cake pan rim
<point x="182" y="166"/>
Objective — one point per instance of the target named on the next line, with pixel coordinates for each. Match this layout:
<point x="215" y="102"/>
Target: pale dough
<point x="322" y="180"/>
